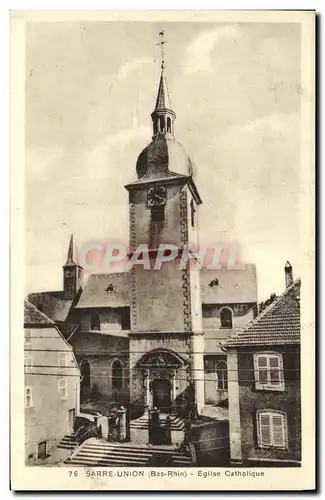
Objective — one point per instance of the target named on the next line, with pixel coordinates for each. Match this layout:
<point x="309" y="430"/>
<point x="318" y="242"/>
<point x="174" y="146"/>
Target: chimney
<point x="288" y="274"/>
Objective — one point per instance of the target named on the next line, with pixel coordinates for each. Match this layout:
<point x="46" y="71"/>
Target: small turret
<point x="72" y="274"/>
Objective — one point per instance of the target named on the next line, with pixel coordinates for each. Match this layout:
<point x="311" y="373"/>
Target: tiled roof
<point x="278" y="324"/>
<point x="32" y="316"/>
<point x="231" y="286"/>
<point x="53" y="304"/>
<point x="234" y="287"/>
<point x="106" y="290"/>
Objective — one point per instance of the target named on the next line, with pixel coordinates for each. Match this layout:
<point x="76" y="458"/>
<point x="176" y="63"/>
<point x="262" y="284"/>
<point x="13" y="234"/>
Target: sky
<point x="90" y="90"/>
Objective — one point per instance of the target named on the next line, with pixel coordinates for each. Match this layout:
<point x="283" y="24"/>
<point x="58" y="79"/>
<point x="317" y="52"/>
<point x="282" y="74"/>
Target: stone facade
<point x="99" y="351"/>
<point x="165" y="303"/>
<point x="142" y="374"/>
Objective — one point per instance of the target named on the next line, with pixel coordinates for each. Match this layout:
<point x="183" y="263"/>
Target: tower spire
<point x="163" y="116"/>
<point x="70" y="256"/>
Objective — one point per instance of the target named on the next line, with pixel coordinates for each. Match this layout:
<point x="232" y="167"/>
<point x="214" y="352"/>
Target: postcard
<point x="162" y="250"/>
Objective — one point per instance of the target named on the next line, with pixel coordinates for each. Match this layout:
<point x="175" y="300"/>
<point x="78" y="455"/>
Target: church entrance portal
<point x="161" y="394"/>
<point x="161" y="372"/>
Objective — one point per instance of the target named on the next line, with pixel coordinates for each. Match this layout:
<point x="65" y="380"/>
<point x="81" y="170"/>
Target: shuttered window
<point x="272" y="429"/>
<point x="63" y="388"/>
<point x="28" y="344"/>
<point x="28" y="397"/>
<point x="269" y="371"/>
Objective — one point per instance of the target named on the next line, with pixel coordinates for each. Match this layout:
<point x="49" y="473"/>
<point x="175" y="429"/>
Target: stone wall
<point x="211" y="443"/>
<point x="242" y="315"/>
<point x="110" y="319"/>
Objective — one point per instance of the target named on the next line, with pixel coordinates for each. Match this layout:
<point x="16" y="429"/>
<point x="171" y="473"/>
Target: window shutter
<point x="265" y="429"/>
<point x="262" y="369"/>
<point x="28" y="397"/>
<point x="274" y="369"/>
<point x="63" y="388"/>
<point x="278" y="430"/>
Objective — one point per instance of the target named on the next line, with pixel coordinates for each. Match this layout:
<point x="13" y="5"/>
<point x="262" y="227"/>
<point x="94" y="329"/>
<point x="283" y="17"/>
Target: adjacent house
<point x="52" y="380"/>
<point x="264" y="384"/>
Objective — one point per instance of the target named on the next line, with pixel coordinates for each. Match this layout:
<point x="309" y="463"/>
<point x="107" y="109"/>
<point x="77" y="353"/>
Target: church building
<point x="153" y="337"/>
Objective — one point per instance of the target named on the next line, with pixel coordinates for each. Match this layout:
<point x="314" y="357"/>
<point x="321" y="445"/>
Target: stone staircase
<point x="100" y="453"/>
<point x="68" y="442"/>
<point x="177" y="423"/>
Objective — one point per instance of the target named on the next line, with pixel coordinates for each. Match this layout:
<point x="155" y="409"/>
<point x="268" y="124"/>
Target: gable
<point x="278" y="324"/>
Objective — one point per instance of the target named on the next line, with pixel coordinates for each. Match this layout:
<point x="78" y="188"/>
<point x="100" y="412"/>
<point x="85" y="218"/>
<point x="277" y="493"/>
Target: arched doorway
<point x="163" y="383"/>
<point x="161" y="394"/>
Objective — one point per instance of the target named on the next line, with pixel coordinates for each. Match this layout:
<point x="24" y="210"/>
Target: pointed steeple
<point x="70" y="256"/>
<point x="72" y="273"/>
<point x="163" y="116"/>
<point x="163" y="99"/>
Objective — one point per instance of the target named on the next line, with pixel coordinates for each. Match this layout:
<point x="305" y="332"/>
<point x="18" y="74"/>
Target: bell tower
<point x="164" y="207"/>
<point x="72" y="274"/>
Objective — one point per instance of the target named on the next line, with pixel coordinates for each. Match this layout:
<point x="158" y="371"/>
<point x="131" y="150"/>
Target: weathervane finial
<point x="162" y="48"/>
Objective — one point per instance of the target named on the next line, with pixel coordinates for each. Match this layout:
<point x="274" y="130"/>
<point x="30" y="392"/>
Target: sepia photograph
<point x="167" y="249"/>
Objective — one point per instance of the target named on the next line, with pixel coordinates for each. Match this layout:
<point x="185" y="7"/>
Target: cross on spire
<point x="162" y="48"/>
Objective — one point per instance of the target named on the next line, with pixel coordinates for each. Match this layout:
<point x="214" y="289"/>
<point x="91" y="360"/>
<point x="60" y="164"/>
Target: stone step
<point x="115" y="461"/>
<point x="69" y="437"/>
<point x="103" y="456"/>
<point x="128" y="447"/>
<point x="68" y="442"/>
<point x="101" y="453"/>
<point x="176" y="424"/>
<point x="67" y="446"/>
<point x="98" y="451"/>
<point x="142" y="454"/>
<point x="109" y="462"/>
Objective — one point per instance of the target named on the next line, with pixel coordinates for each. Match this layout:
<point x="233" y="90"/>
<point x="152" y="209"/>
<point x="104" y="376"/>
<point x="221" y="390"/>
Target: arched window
<point x="117" y="375"/>
<point x="95" y="322"/>
<point x="226" y="317"/>
<point x="169" y="124"/>
<point x="85" y="379"/>
<point x="162" y="124"/>
<point x="222" y="384"/>
<point x="155" y="128"/>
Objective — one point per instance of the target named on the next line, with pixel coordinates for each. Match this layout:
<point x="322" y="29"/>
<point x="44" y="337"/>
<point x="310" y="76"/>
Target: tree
<point x="267" y="302"/>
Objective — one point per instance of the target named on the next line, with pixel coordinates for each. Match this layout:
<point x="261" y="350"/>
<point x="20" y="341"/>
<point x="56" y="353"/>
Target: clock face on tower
<point x="157" y="196"/>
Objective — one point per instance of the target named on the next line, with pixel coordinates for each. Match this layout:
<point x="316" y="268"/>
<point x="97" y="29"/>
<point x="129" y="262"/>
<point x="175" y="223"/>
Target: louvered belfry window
<point x="268" y="368"/>
<point x="272" y="429"/>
